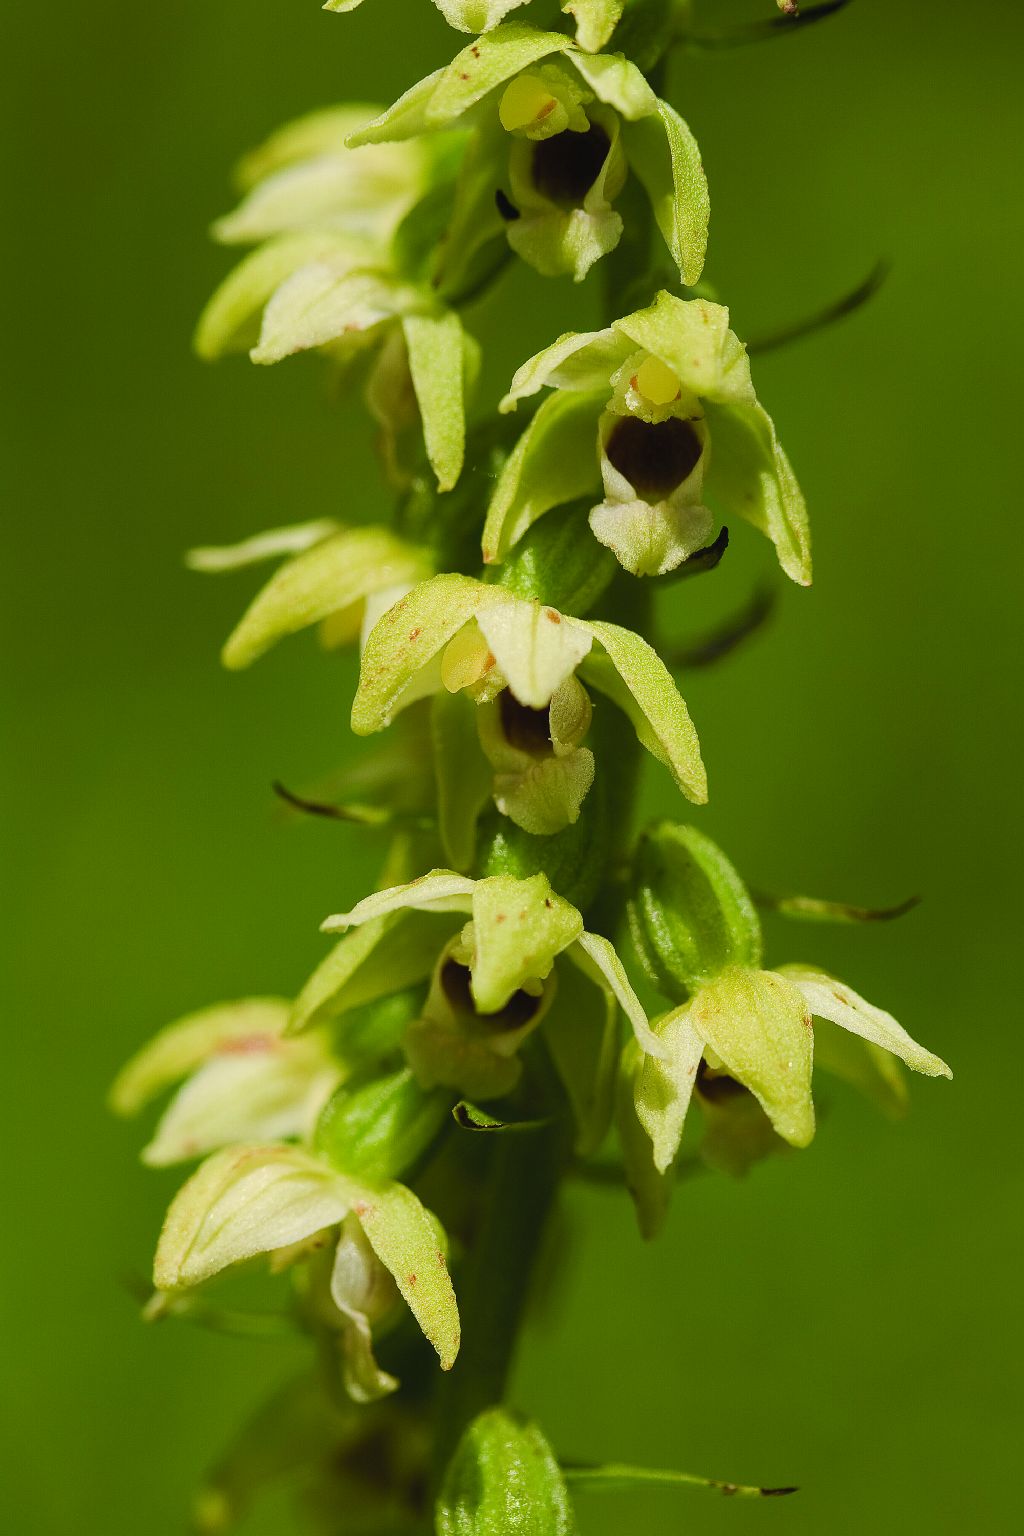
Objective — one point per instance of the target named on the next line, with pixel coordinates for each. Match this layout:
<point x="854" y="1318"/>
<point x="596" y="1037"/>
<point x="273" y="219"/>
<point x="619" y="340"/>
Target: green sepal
<point x="759" y="1026"/>
<point x="596" y="20"/>
<point x="374" y="960"/>
<point x="334" y="574"/>
<point x="750" y="476"/>
<point x="557" y="562"/>
<point x="440" y="358"/>
<point x="662" y="1088"/>
<point x="475" y="15"/>
<point x="690" y="915"/>
<point x="554" y="461"/>
<point x="519" y="927"/>
<point x="666" y="159"/>
<point x="379" y="1129"/>
<point x="650" y="1190"/>
<point x="230" y="320"/>
<point x="181" y="1047"/>
<point x="486" y="64"/>
<point x="503" y="1480"/>
<point x="633" y="676"/>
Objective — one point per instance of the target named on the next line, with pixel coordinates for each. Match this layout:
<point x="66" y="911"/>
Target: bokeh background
<point x="847" y="1319"/>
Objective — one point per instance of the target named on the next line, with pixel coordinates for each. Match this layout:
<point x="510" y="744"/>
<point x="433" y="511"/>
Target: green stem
<point x="524" y="1177"/>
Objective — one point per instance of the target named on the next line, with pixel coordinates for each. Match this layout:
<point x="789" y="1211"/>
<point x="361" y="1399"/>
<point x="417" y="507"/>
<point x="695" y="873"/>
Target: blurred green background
<point x="848" y="1318"/>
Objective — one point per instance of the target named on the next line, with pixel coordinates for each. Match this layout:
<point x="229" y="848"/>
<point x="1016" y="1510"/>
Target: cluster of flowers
<point x="478" y="613"/>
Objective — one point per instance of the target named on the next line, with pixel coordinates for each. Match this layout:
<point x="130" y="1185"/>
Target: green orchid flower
<point x="522" y="961"/>
<point x="697" y="933"/>
<point x="242" y="1079"/>
<point x="595" y="19"/>
<point x="557" y="132"/>
<point x="658" y="408"/>
<point x="283" y="1202"/>
<point x="325" y="277"/>
<point x="524" y="664"/>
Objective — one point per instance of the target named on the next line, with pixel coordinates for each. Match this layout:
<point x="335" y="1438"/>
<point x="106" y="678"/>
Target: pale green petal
<point x="325" y="301"/>
<point x="692" y="337"/>
<point x="244" y="1201"/>
<point x="362" y="1290"/>
<point x="462" y="773"/>
<point x="634" y="676"/>
<point x="596" y="20"/>
<point x="759" y="1026"/>
<point x="441" y="890"/>
<point x="554" y="461"/>
<point x="405" y="119"/>
<point x="666" y="158"/>
<point x="374" y="960"/>
<point x="437" y="364"/>
<point x="619" y="84"/>
<point x="335" y="573"/>
<point x="404" y="1236"/>
<point x="476" y="15"/>
<point x="316" y="133"/>
<point x="263" y="1090"/>
<point x="183" y="1046"/>
<point x="271" y="545"/>
<point x="486" y="64"/>
<point x="651" y="1190"/>
<point x="548" y="795"/>
<point x="597" y="958"/>
<point x="751" y="477"/>
<point x="536" y="647"/>
<point x="578" y="360"/>
<point x="230" y="321"/>
<point x="832" y="999"/>
<point x="341" y="7"/>
<point x="411" y="635"/>
<point x="662" y="1088"/>
<point x="324" y="193"/>
<point x="519" y="927"/>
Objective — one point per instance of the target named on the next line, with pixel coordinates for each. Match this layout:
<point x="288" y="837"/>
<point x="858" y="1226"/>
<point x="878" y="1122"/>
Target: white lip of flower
<point x="542" y="773"/>
<point x="252" y="1200"/>
<point x="558" y="78"/>
<point x="519" y="928"/>
<point x="677" y="359"/>
<point x="243" y="1081"/>
<point x="757" y="1026"/>
<point x="454" y="632"/>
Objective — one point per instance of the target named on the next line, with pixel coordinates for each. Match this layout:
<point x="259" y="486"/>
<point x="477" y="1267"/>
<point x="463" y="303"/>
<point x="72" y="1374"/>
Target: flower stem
<point x="524" y="1177"/>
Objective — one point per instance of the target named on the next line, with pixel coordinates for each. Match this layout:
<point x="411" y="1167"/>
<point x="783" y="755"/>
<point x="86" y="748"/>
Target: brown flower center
<point x="566" y="166"/>
<point x="655" y="457"/>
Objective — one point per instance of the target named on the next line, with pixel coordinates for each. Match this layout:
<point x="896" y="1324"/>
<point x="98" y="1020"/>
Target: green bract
<point x="504" y="1481"/>
<point x="658" y="408"/>
<point x="557" y="132"/>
